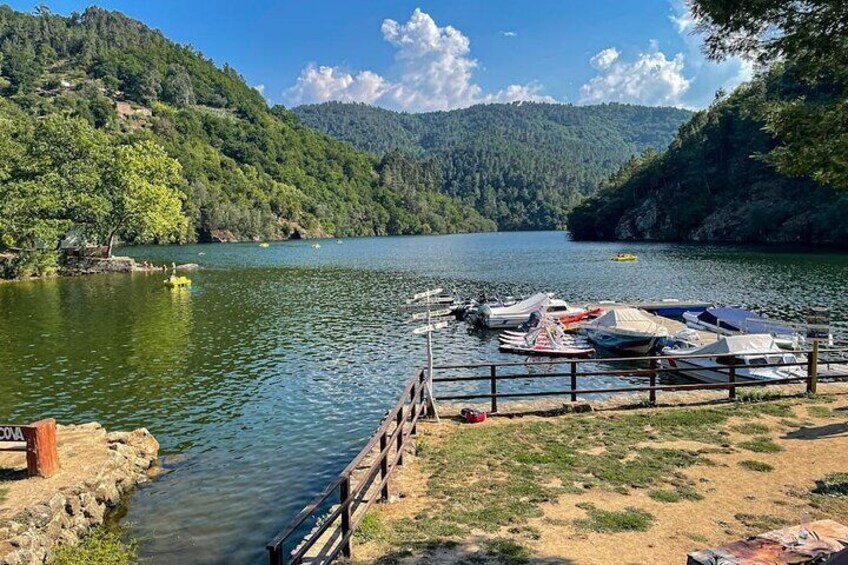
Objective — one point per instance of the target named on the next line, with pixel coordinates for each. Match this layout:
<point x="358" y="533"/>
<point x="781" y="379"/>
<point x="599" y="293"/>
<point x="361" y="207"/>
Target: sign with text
<point x="12" y="433"/>
<point x="818" y="324"/>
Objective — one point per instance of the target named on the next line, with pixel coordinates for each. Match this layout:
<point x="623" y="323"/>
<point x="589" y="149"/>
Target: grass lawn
<point x="611" y="473"/>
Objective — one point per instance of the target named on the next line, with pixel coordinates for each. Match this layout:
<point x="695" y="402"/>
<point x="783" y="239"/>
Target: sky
<point x="429" y="55"/>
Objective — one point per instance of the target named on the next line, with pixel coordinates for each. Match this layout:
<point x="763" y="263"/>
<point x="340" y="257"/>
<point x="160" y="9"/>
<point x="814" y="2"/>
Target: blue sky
<point x="435" y="55"/>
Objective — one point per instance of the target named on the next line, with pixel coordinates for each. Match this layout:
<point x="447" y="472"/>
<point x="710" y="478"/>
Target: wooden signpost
<point x="818" y="329"/>
<point x="39" y="443"/>
<point x="427" y="300"/>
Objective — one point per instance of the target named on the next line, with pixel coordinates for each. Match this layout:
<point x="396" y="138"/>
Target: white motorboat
<point x="736" y="321"/>
<point x="506" y="317"/>
<point x="627" y="330"/>
<point x="747" y="353"/>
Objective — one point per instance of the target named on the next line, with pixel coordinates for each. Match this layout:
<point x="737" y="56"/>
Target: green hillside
<point x="716" y="183"/>
<point x="523" y="165"/>
<point x="246" y="170"/>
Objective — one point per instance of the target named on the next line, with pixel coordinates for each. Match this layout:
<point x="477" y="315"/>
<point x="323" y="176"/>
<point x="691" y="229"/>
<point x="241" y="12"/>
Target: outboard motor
<point x="532" y="322"/>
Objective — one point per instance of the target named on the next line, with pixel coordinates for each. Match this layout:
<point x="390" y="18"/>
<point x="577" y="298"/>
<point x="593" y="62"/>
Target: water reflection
<point x="269" y="373"/>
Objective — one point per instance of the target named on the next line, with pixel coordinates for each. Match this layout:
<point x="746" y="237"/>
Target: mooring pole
<point x="813" y="369"/>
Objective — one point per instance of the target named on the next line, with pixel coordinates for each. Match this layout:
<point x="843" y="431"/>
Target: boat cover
<point x="526" y="306"/>
<point x="630" y="319"/>
<point x="740" y="345"/>
<point x="742" y="320"/>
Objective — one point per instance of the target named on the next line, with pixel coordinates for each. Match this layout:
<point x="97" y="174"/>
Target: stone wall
<point x="78" y="500"/>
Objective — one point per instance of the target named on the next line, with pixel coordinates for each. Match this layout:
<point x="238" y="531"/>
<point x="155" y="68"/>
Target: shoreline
<point x="98" y="469"/>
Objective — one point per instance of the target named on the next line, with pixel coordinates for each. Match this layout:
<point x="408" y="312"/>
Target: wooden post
<point x="399" y="424"/>
<point x="573" y="381"/>
<point x="413" y="408"/>
<point x="494" y="388"/>
<point x="384" y="467"/>
<point x="652" y="379"/>
<point x="346" y="515"/>
<point x="813" y="369"/>
<point x="41" y="451"/>
<point x="732" y="380"/>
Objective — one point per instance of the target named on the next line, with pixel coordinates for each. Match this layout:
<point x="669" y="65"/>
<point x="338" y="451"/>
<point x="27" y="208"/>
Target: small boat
<point x="264" y="244"/>
<point x="626" y="330"/>
<point x="548" y="339"/>
<point x="624" y="257"/>
<point x="747" y="353"/>
<point x="737" y="321"/>
<point x="316" y="246"/>
<point x="513" y="316"/>
<point x="339" y="242"/>
<point x="177" y="281"/>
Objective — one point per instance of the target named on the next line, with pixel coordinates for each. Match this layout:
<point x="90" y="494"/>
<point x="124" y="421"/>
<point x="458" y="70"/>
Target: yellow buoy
<point x="264" y="244"/>
<point x="177" y="282"/>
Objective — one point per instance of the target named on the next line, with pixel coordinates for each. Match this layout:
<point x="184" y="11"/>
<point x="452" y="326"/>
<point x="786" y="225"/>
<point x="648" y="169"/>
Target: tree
<point x="807" y="42"/>
<point x="177" y="88"/>
<point x="145" y="201"/>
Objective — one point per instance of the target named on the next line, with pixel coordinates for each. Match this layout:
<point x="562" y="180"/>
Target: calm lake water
<point x="270" y="373"/>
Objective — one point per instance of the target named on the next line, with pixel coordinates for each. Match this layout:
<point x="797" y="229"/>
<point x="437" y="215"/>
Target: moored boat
<point x="546" y="339"/>
<point x="626" y="330"/>
<point x="749" y="354"/>
<point x="737" y="321"/>
<point x="513" y="316"/>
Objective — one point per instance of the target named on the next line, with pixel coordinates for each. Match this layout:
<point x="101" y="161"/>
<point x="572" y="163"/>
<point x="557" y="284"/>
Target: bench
<point x="38" y="441"/>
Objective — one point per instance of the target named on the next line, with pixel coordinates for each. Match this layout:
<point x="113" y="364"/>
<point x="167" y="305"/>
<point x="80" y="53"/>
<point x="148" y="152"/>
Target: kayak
<point x="624" y="257"/>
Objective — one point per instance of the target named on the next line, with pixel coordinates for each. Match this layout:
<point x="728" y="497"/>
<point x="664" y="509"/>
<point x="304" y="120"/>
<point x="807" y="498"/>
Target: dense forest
<point x="241" y="169"/>
<point x="523" y="165"/>
<point x="764" y="164"/>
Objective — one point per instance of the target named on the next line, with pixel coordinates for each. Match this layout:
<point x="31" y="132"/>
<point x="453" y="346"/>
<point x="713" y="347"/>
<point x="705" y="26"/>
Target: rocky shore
<point x="97" y="469"/>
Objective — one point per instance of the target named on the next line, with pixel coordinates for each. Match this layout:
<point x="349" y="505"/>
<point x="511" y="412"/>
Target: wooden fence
<point x="358" y="487"/>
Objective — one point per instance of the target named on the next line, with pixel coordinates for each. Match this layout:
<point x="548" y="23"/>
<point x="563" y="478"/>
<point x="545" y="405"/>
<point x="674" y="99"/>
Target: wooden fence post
<point x="399" y="423"/>
<point x="42" y="454"/>
<point x="652" y="380"/>
<point x="732" y="380"/>
<point x="573" y="381"/>
<point x="384" y="467"/>
<point x="346" y="515"/>
<point x="813" y="369"/>
<point x="494" y="388"/>
<point x="413" y="408"/>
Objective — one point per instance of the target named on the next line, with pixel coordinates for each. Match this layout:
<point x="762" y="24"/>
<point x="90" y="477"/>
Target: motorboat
<point x="736" y="321"/>
<point x="504" y="317"/>
<point x="546" y="339"/>
<point x="627" y="330"/>
<point x="749" y="354"/>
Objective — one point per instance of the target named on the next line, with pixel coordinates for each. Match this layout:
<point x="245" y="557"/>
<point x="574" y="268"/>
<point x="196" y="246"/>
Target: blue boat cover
<point x="741" y="320"/>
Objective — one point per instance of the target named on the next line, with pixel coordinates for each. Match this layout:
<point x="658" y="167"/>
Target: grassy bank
<point x="585" y="488"/>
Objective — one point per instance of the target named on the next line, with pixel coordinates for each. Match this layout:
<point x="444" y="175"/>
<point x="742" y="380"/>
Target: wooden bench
<point x="38" y="440"/>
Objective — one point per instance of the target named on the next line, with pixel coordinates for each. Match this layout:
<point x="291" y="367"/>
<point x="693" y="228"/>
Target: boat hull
<point x="626" y="343"/>
<point x="708" y="372"/>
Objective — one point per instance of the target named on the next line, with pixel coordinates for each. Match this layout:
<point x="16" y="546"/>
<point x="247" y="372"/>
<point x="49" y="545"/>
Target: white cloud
<point x="603" y="59"/>
<point x="650" y="79"/>
<point x="260" y="88"/>
<point x="432" y="71"/>
<point x="509" y="34"/>
<point x="687" y="79"/>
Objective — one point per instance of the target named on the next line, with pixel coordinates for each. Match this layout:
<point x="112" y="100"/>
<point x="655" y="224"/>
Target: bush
<point x="99" y="547"/>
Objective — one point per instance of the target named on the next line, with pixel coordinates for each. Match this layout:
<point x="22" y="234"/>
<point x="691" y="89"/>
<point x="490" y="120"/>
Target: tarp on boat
<point x="630" y="319"/>
<point x="526" y="306"/>
<point x="742" y="320"/>
<point x="740" y="345"/>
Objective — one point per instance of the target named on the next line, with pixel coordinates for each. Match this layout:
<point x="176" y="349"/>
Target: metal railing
<point x="364" y="481"/>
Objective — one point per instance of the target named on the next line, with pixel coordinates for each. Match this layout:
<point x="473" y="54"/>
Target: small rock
<point x="73" y="505"/>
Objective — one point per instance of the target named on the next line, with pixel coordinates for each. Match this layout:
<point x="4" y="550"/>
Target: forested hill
<point x="246" y="170"/>
<point x="716" y="183"/>
<point x="523" y="165"/>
